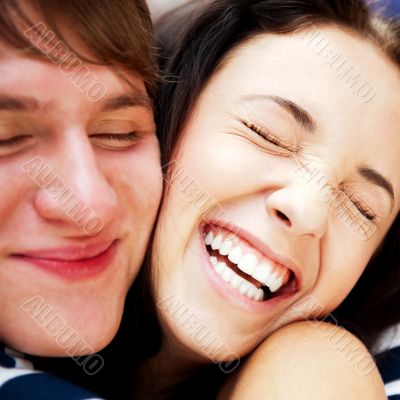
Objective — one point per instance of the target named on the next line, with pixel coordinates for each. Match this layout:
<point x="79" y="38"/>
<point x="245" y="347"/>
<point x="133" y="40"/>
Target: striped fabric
<point x="387" y="357"/>
<point x="19" y="381"/>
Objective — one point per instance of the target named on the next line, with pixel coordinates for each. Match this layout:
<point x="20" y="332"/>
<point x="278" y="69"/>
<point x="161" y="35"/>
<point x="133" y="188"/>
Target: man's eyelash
<point x="127" y="137"/>
<point x="14" y="141"/>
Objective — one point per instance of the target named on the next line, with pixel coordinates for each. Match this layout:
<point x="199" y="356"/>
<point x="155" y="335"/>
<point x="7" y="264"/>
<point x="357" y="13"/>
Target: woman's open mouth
<point x="242" y="266"/>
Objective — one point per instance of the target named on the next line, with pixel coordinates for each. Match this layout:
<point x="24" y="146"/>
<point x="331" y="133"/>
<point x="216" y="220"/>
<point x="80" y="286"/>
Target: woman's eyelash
<point x="263" y="133"/>
<point x="361" y="207"/>
<point x="343" y="196"/>
<point x="363" y="210"/>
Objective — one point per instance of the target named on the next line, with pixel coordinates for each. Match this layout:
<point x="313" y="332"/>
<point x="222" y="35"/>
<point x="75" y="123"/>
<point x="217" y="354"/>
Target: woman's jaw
<point x="209" y="307"/>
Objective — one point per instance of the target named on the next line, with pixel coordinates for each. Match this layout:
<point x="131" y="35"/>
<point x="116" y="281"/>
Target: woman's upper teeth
<point x="237" y="282"/>
<point x="251" y="262"/>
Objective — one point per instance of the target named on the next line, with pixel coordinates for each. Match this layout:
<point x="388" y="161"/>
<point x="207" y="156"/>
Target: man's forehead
<point x="111" y="103"/>
<point x="44" y="82"/>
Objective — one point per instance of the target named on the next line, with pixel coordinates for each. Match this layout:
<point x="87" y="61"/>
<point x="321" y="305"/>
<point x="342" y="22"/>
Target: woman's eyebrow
<point x="300" y="115"/>
<point x="373" y="176"/>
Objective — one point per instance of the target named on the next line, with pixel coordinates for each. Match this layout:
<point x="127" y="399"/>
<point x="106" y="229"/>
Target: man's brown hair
<point x="118" y="33"/>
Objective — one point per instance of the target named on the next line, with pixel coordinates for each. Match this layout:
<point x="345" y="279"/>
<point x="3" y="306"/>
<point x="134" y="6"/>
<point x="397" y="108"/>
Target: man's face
<point x="80" y="189"/>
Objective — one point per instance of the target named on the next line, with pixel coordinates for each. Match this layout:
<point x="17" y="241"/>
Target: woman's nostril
<point x="283" y="217"/>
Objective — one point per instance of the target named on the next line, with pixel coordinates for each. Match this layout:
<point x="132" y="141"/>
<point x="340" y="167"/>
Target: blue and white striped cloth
<point x="387" y="357"/>
<point x="19" y="381"/>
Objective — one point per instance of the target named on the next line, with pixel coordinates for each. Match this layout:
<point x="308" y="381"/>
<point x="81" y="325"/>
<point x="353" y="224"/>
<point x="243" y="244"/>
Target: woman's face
<point x="80" y="189"/>
<point x="287" y="178"/>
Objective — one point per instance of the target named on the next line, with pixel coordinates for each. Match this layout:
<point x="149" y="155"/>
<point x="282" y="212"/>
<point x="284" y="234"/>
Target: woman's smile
<point x="244" y="266"/>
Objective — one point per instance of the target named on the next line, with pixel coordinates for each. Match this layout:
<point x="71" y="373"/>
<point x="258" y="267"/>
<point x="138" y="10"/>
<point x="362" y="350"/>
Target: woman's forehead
<point x="360" y="123"/>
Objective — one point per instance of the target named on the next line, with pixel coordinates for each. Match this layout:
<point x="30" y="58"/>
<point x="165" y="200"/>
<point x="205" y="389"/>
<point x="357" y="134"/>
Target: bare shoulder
<point x="307" y="360"/>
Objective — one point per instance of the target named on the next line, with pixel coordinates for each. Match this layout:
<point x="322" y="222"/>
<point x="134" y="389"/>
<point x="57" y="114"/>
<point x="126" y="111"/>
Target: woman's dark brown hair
<point x="118" y="33"/>
<point x="194" y="42"/>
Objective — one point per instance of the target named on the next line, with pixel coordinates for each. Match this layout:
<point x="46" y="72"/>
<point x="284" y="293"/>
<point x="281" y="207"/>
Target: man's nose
<point x="75" y="192"/>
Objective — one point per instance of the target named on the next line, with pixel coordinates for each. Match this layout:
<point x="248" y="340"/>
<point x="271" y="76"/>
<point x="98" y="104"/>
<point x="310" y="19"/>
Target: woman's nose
<point x="299" y="209"/>
<point x="74" y="191"/>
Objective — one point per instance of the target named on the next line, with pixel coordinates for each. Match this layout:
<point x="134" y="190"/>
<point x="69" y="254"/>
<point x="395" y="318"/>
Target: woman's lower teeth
<point x="237" y="282"/>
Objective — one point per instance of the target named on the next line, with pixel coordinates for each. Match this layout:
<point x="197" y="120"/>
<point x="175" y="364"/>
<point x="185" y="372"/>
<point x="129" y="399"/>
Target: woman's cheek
<point x="222" y="164"/>
<point x="341" y="268"/>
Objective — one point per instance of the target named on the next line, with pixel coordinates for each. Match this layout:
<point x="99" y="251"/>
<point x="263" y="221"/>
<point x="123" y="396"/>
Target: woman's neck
<point x="172" y="365"/>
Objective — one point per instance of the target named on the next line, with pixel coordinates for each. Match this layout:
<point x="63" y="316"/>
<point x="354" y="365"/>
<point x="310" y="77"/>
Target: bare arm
<point x="307" y="361"/>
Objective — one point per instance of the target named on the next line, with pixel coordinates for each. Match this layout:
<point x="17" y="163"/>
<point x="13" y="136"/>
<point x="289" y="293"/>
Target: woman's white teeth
<point x="227" y="274"/>
<point x="276" y="283"/>
<point x="254" y="293"/>
<point x="236" y="281"/>
<point x="209" y="238"/>
<point x="226" y="247"/>
<point x="235" y="255"/>
<point x="248" y="264"/>
<point x="217" y="242"/>
<point x="264" y="271"/>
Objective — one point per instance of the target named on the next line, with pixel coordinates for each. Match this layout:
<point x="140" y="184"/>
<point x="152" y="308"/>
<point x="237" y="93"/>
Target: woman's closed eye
<point x="356" y="205"/>
<point x="363" y="209"/>
<point x="271" y="139"/>
<point x="264" y="134"/>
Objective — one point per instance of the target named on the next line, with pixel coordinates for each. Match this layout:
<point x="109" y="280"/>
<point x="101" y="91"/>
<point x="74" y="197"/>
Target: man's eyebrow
<point x="373" y="176"/>
<point x="299" y="114"/>
<point x="10" y="103"/>
<point x="135" y="99"/>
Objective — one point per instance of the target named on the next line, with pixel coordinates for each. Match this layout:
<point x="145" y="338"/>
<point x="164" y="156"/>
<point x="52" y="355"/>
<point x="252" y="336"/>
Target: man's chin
<point x="63" y="337"/>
